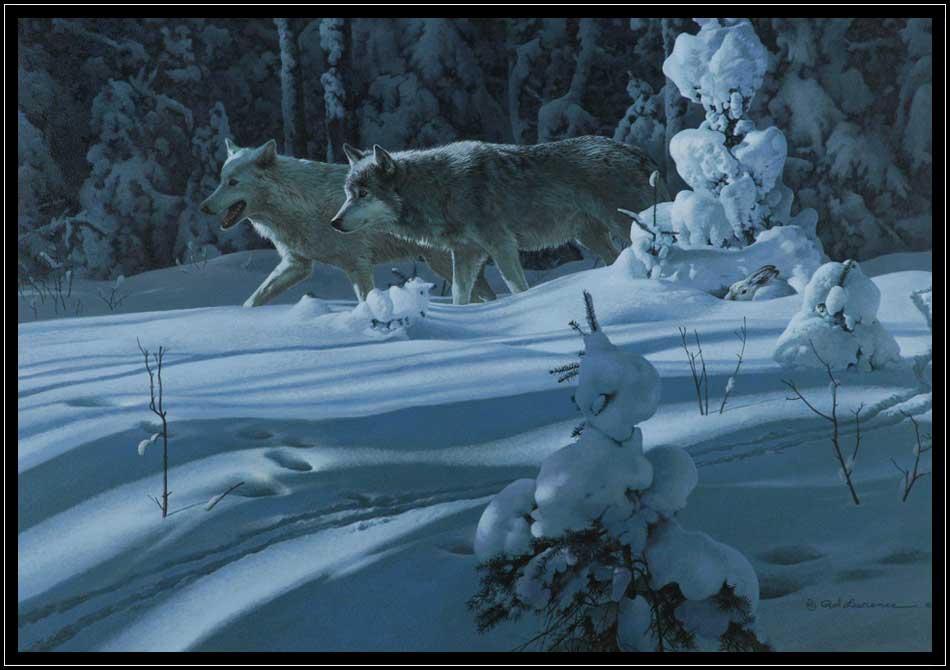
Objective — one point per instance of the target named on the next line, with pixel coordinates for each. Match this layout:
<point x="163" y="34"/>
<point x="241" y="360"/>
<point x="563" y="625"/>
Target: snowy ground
<point x="367" y="464"/>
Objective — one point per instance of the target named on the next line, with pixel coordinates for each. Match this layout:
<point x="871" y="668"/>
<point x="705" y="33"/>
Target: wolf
<point x="481" y="200"/>
<point x="290" y="202"/>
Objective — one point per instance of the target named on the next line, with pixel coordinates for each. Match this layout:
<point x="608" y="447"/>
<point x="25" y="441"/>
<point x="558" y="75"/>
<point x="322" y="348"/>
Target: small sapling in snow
<point x="846" y="465"/>
<point x="156" y="403"/>
<point x="910" y="476"/>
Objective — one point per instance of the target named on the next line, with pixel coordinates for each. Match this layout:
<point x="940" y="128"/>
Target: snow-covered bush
<point x="592" y="545"/>
<point x="838" y="321"/>
<point x="792" y="250"/>
<point x="396" y="308"/>
<point x="923" y="364"/>
<point x="734" y="170"/>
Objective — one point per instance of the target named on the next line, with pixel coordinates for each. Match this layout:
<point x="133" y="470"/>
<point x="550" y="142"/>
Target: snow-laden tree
<point x="644" y="123"/>
<point x="41" y="182"/>
<point x="855" y="96"/>
<point x="837" y="324"/>
<point x="733" y="169"/>
<point x="424" y="82"/>
<point x="593" y="546"/>
<point x="130" y="201"/>
<point x="199" y="235"/>
<point x="333" y="41"/>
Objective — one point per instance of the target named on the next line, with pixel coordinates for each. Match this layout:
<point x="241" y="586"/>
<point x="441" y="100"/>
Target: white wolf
<point x="477" y="199"/>
<point x="291" y="202"/>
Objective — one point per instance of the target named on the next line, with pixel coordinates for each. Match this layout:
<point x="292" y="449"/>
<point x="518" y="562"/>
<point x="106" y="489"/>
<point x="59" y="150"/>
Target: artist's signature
<point x="852" y="603"/>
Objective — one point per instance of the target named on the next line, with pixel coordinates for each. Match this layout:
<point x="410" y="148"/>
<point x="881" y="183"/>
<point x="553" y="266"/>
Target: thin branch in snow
<point x="910" y="477"/>
<point x="216" y="499"/>
<point x="743" y="335"/>
<point x="846" y="465"/>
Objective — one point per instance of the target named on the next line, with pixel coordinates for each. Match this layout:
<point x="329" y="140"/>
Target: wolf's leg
<point x="483" y="289"/>
<point x="290" y="271"/>
<point x="441" y="264"/>
<point x="466" y="261"/>
<point x="505" y="255"/>
<point x="362" y="281"/>
<point x="596" y="238"/>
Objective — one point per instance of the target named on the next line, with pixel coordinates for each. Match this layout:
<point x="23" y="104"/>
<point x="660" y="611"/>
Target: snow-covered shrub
<point x="792" y="250"/>
<point x="838" y="320"/>
<point x="923" y="364"/>
<point x="592" y="545"/>
<point x="734" y="170"/>
<point x="642" y="124"/>
<point x="396" y="308"/>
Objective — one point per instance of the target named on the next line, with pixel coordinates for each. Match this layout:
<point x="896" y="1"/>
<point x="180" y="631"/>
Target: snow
<point x="793" y="252"/>
<point x="368" y="462"/>
<point x="838" y="322"/>
<point x="504" y="526"/>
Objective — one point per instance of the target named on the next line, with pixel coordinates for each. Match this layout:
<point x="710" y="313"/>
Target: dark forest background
<point x="121" y="123"/>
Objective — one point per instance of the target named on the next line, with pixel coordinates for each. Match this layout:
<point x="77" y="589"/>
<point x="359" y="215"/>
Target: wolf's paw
<point x="250" y="302"/>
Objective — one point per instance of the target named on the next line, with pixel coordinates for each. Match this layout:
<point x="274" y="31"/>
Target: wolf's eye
<point x="361" y="193"/>
<point x="232" y="182"/>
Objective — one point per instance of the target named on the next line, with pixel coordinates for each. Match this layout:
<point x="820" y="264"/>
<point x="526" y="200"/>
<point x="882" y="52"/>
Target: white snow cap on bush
<point x="589" y="480"/>
<point x="734" y="170"/>
<point x="617" y="389"/>
<point x="504" y="526"/>
<point x="838" y="320"/>
<point x="721" y="67"/>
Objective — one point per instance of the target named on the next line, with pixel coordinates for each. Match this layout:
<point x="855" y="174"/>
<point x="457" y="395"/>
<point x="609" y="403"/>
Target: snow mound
<point x="307" y="308"/>
<point x="838" y="321"/>
<point x="794" y="252"/>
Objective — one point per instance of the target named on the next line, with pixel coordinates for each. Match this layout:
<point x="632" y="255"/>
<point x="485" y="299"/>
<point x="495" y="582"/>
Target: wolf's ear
<point x="268" y="154"/>
<point x="352" y="155"/>
<point x="383" y="159"/>
<point x="231" y="147"/>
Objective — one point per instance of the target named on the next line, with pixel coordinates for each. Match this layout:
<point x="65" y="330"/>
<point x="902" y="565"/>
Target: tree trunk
<point x="295" y="129"/>
<point x="335" y="45"/>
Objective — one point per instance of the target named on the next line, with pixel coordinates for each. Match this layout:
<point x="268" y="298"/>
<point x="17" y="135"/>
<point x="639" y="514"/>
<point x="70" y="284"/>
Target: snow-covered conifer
<point x="837" y="323"/>
<point x="733" y="170"/>
<point x="592" y="545"/>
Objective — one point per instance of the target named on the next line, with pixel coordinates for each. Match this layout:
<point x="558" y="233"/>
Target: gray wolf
<point x="289" y="201"/>
<point x="481" y="200"/>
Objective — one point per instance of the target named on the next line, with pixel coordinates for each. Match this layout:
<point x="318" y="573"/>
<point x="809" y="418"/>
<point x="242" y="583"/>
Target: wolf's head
<point x="240" y="191"/>
<point x="371" y="198"/>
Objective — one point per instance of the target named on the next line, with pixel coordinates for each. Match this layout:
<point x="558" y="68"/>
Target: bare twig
<point x="911" y="476"/>
<point x="698" y="371"/>
<point x="216" y="500"/>
<point x="743" y="335"/>
<point x="846" y="465"/>
<point x="157" y="405"/>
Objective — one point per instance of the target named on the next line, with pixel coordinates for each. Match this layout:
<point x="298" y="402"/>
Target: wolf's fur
<point x="290" y="202"/>
<point x="478" y="199"/>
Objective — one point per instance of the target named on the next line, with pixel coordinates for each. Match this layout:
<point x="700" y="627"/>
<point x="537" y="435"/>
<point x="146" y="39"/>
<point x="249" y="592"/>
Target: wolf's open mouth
<point x="232" y="214"/>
